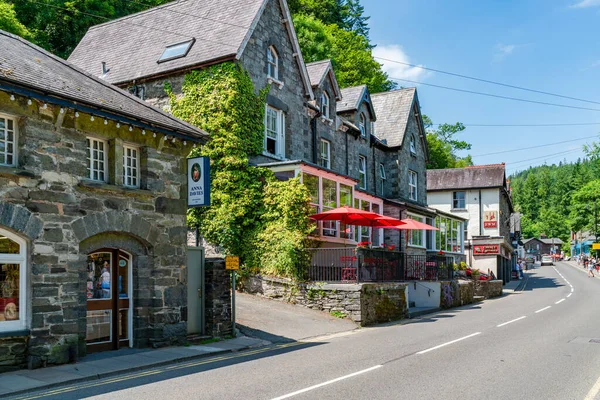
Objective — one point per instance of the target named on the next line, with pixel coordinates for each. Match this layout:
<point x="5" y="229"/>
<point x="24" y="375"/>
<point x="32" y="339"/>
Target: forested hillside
<point x="555" y="199"/>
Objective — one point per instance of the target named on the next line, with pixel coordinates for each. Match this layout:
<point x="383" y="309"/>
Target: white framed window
<point x="97" y="159"/>
<point x="274" y="131"/>
<point x="382" y="178"/>
<point x="325" y="154"/>
<point x="13" y="258"/>
<point x="131" y="166"/>
<point x="272" y="63"/>
<point x="362" y="172"/>
<point x="8" y="141"/>
<point x="325" y="104"/>
<point x="458" y="200"/>
<point x="415" y="237"/>
<point x="413" y="146"/>
<point x="412" y="185"/>
<point x="362" y="125"/>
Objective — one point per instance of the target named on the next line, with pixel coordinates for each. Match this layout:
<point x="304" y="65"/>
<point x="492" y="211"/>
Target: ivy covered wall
<point x="253" y="215"/>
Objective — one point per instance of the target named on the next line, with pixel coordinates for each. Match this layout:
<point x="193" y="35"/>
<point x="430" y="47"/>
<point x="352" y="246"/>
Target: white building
<point x="481" y="195"/>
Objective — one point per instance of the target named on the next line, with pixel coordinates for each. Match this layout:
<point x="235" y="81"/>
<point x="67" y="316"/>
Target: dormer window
<point x="272" y="63"/>
<point x="362" y="125"/>
<point x="413" y="147"/>
<point x="325" y="104"/>
<point x="177" y="50"/>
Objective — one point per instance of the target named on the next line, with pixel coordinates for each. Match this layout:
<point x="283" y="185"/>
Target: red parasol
<point x="411" y="225"/>
<point x="354" y="216"/>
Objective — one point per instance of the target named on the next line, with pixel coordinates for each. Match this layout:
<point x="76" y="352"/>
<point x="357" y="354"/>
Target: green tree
<point x="443" y="147"/>
<point x="346" y="14"/>
<point x="349" y="52"/>
<point x="59" y="25"/>
<point x="10" y="23"/>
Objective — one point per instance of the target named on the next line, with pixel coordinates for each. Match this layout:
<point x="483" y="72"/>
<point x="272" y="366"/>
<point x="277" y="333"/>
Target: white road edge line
<point x="569" y="295"/>
<point x="510" y="322"/>
<point x="593" y="391"/>
<point x="446" y="344"/>
<point x="286" y="396"/>
<point x="543" y="309"/>
<point x="560" y="301"/>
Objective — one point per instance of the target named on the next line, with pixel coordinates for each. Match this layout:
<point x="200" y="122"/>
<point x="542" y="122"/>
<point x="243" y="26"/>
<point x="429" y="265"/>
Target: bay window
<point x="12" y="282"/>
<point x="416" y="237"/>
<point x="450" y="236"/>
<point x="312" y="184"/>
<point x="329" y="203"/>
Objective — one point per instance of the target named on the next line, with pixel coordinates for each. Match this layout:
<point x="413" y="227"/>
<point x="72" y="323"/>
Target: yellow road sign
<point x="232" y="263"/>
<point x="596" y="246"/>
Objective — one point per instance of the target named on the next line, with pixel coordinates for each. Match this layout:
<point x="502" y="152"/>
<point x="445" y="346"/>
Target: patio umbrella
<point x="410" y="224"/>
<point x="354" y="216"/>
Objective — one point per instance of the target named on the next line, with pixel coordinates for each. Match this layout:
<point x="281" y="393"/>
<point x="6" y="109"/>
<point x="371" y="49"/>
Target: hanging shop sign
<point x="490" y="219"/>
<point x="486" y="249"/>
<point x="198" y="173"/>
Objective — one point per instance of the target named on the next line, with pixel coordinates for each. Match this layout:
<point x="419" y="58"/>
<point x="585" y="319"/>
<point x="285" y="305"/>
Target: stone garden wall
<point x="366" y="304"/>
<point x="488" y="289"/>
<point x="456" y="293"/>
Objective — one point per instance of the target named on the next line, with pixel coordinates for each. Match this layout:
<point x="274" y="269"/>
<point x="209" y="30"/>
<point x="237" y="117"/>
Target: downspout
<point x="347" y="151"/>
<point x="313" y="130"/>
<point x="480" y="215"/>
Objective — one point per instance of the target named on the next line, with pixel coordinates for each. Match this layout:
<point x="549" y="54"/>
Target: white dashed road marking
<point x="560" y="301"/>
<point x="446" y="344"/>
<point x="510" y="322"/>
<point x="543" y="309"/>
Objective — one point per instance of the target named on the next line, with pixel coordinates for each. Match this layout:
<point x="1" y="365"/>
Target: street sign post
<point x="232" y="263"/>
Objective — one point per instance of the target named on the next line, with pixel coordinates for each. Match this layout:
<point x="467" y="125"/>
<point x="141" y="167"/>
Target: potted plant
<point x="475" y="273"/>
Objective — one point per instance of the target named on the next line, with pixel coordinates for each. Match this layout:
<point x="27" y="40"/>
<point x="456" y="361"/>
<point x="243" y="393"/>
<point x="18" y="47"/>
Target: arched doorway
<point x="109" y="290"/>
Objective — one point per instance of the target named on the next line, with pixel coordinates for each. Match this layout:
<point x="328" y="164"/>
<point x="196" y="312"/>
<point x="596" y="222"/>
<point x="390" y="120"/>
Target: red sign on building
<point x="490" y="219"/>
<point x="486" y="249"/>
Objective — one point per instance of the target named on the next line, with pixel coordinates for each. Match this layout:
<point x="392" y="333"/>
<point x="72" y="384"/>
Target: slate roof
<point x="477" y="177"/>
<point x="131" y="45"/>
<point x="552" y="241"/>
<point x="28" y="66"/>
<point x="318" y="71"/>
<point x="351" y="98"/>
<point x="393" y="111"/>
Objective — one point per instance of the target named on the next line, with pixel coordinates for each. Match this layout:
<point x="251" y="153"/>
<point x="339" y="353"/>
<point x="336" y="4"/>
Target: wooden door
<point x="108" y="300"/>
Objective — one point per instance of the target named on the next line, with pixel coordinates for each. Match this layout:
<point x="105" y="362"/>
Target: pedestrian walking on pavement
<point x="590" y="269"/>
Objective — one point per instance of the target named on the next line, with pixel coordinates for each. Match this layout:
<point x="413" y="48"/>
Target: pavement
<point x="101" y="365"/>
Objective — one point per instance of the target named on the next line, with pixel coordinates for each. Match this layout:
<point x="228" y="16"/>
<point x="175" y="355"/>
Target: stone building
<point x="92" y="213"/>
<point x="479" y="194"/>
<point x="257" y="34"/>
<point x="327" y="136"/>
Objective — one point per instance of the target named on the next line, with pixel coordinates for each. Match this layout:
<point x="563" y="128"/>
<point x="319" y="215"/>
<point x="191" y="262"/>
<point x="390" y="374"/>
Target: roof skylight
<point x="177" y="50"/>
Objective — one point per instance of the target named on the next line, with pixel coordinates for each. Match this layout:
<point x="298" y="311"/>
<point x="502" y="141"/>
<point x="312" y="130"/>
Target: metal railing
<point x="348" y="264"/>
<point x="333" y="265"/>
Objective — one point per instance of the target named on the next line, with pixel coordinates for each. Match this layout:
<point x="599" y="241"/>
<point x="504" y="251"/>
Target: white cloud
<point x="395" y="70"/>
<point x="501" y="51"/>
<point x="586" y="4"/>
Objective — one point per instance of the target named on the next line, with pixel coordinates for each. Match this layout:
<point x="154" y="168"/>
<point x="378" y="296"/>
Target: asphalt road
<point x="536" y="344"/>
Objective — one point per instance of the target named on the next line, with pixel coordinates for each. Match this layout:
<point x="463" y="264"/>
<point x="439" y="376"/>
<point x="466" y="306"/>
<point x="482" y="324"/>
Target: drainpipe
<point x="480" y="215"/>
<point x="313" y="130"/>
<point x="375" y="172"/>
<point x="347" y="151"/>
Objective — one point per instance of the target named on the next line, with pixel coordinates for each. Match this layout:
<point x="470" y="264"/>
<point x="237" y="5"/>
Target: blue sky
<point x="547" y="45"/>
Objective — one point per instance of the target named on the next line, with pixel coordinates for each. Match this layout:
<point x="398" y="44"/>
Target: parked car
<point x="547" y="260"/>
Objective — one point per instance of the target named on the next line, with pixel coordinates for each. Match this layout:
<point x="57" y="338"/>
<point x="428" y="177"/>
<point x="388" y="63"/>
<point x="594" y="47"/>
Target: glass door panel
<point x="99" y="326"/>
